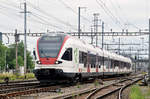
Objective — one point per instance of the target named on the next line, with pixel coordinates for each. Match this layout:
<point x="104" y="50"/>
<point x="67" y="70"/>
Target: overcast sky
<point x="62" y="15"/>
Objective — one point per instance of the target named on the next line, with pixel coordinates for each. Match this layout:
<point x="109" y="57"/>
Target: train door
<point x="103" y="62"/>
<point x="97" y="63"/>
<point x="88" y="63"/>
<point x="76" y="58"/>
<point x="112" y="65"/>
<point x="85" y="59"/>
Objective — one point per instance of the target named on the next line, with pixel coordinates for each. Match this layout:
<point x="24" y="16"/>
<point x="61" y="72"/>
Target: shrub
<point x="16" y="76"/>
<point x="10" y="76"/>
<point x="30" y="75"/>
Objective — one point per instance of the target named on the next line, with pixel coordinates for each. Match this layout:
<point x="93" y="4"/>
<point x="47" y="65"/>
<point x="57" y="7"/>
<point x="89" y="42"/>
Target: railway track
<point x="34" y="87"/>
<point x="17" y="84"/>
<point x="104" y="91"/>
<point x="19" y="88"/>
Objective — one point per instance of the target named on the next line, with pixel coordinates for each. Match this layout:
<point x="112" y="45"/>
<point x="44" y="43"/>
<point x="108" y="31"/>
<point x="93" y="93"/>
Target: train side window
<point x="106" y="62"/>
<point x="85" y="59"/>
<point x="80" y="57"/>
<point x="92" y="60"/>
<point x="67" y="55"/>
<point x="99" y="66"/>
<point x="112" y="63"/>
<point x="116" y="63"/>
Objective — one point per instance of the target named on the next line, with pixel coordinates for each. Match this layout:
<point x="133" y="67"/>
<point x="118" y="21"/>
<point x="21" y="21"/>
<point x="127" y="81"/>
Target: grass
<point x="96" y="83"/>
<point x="13" y="77"/>
<point x="78" y="85"/>
<point x="136" y="93"/>
<point x="148" y="92"/>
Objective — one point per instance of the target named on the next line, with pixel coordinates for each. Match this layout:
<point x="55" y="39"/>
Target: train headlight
<point x="58" y="62"/>
<point x="38" y="62"/>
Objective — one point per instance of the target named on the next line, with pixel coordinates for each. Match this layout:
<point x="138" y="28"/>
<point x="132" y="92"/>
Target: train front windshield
<point x="49" y="46"/>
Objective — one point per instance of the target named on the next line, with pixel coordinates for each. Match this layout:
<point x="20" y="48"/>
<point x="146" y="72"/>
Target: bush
<point x="30" y="75"/>
<point x="10" y="76"/>
<point x="16" y="76"/>
<point x="20" y="77"/>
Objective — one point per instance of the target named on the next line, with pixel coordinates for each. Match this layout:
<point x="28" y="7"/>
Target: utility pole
<point x="91" y="35"/>
<point x="25" y="38"/>
<point x="149" y="54"/>
<point x="103" y="44"/>
<point x="79" y="22"/>
<point x="6" y="60"/>
<point x="25" y="35"/>
<point x="102" y="35"/>
<point x="138" y="60"/>
<point x="79" y="28"/>
<point x="135" y="62"/>
<point x="119" y="47"/>
<point x="96" y="26"/>
<point x="16" y="41"/>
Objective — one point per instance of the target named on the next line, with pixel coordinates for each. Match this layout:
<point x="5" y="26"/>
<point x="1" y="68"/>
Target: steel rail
<point x="111" y="91"/>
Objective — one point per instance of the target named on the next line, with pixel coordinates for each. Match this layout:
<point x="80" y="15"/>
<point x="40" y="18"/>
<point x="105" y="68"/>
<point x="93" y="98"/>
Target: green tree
<point x="11" y="58"/>
<point x="3" y="50"/>
<point x="20" y="61"/>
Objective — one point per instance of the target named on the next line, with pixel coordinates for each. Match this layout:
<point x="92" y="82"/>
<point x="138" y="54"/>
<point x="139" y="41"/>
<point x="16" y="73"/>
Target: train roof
<point x="92" y="48"/>
<point x="101" y="52"/>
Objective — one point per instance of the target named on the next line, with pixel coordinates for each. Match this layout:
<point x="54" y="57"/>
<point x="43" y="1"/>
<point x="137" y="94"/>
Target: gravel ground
<point x="126" y="93"/>
<point x="66" y="90"/>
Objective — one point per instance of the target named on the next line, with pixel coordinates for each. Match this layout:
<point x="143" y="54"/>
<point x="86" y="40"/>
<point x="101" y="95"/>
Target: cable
<point x="16" y="9"/>
<point x="68" y="7"/>
<point x="115" y="18"/>
<point x="12" y="5"/>
<point x="109" y="14"/>
<point x="123" y="21"/>
<point x="49" y="15"/>
<point x="126" y="20"/>
<point x="37" y="16"/>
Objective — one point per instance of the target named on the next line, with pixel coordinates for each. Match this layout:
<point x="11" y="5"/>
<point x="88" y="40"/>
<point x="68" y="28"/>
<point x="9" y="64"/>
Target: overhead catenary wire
<point x="45" y="22"/>
<point x="17" y="9"/>
<point x="116" y="11"/>
<point x="14" y="10"/>
<point x="123" y="14"/>
<point x="109" y="13"/>
<point x="50" y="15"/>
<point x="71" y="9"/>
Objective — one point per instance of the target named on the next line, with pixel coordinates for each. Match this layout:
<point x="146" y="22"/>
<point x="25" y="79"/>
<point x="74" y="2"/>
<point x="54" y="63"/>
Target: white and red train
<point x="60" y="56"/>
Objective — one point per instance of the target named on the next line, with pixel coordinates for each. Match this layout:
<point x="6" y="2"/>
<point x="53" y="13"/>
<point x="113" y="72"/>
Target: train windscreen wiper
<point x="44" y="54"/>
